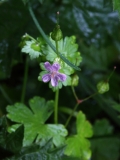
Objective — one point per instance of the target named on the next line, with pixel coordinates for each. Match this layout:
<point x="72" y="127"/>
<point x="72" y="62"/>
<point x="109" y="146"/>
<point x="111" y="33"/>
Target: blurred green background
<point x="97" y="28"/>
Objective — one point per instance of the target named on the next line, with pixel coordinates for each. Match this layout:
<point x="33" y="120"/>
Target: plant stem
<point x="56" y="107"/>
<point x="24" y="80"/>
<point x="67" y="111"/>
<point x="69" y="118"/>
<point x="89" y="97"/>
<point x="111" y="74"/>
<point x="5" y="95"/>
<point x="40" y="29"/>
<point x="77" y="104"/>
<point x="31" y="38"/>
<point x="73" y="90"/>
<point x="56" y="95"/>
<point x="56" y="42"/>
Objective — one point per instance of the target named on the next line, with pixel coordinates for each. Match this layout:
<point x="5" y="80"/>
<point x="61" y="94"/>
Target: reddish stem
<point x="79" y="101"/>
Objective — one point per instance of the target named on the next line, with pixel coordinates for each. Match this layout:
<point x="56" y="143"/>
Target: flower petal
<point x="62" y="77"/>
<point x="46" y="77"/>
<point x="54" y="81"/>
<point x="48" y="66"/>
<point x="55" y="67"/>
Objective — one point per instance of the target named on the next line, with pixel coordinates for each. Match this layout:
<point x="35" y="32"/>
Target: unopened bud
<point x="102" y="87"/>
<point x="75" y="80"/>
<point x="57" y="33"/>
<point x="24" y="38"/>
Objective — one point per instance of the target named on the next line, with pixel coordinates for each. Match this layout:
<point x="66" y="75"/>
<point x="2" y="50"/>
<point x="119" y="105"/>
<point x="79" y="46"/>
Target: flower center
<point x="53" y="74"/>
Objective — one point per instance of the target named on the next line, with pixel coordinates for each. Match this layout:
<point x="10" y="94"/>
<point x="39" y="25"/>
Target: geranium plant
<point x="36" y="132"/>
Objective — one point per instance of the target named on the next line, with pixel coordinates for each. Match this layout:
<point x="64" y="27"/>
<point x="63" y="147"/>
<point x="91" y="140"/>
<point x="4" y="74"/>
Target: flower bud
<point x="102" y="87"/>
<point x="75" y="80"/>
<point x="25" y="37"/>
<point x="57" y="35"/>
<point x="23" y="40"/>
<point x="35" y="47"/>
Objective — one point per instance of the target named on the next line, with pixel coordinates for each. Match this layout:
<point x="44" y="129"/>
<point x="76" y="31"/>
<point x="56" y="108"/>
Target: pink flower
<point x="53" y="75"/>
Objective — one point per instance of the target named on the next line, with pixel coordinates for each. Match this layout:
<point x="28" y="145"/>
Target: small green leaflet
<point x="29" y="50"/>
<point x="116" y="6"/>
<point x="78" y="145"/>
<point x="33" y="121"/>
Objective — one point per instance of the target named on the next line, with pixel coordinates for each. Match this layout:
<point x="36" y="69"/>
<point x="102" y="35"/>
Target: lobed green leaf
<point x="78" y="145"/>
<point x="33" y="121"/>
